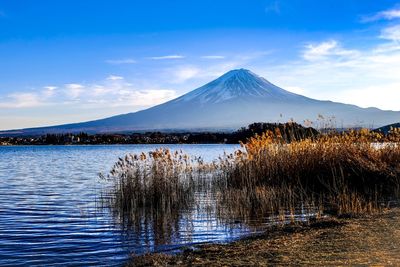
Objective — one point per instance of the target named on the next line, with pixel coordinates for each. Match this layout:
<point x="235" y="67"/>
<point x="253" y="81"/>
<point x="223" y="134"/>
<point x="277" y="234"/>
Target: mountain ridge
<point x="237" y="98"/>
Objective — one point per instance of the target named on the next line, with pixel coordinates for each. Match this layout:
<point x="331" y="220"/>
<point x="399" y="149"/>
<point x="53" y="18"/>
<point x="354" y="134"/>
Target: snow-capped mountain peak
<point x="240" y="83"/>
<point x="236" y="99"/>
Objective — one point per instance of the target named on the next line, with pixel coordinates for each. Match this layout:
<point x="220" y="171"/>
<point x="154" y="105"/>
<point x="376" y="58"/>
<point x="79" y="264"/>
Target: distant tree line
<point x="288" y="131"/>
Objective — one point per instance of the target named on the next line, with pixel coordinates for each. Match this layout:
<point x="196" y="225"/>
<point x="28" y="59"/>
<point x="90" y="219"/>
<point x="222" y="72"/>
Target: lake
<point x="49" y="212"/>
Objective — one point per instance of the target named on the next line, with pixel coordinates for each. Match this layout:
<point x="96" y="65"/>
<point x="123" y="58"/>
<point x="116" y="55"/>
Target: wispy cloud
<point x="74" y="90"/>
<point x="183" y="73"/>
<point x="213" y="57"/>
<point x="143" y="98"/>
<point x="113" y="92"/>
<point x="49" y="91"/>
<point x="326" y="49"/>
<point x="167" y="57"/>
<point x="117" y="92"/>
<point x="32" y="99"/>
<point x="115" y="78"/>
<point x="391" y="33"/>
<point x="330" y="71"/>
<point x="21" y="100"/>
<point x="96" y="100"/>
<point x="389" y="14"/>
<point x="121" y="61"/>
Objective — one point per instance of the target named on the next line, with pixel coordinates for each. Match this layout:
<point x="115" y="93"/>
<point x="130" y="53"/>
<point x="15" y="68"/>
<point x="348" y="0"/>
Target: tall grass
<point x="341" y="173"/>
<point x="346" y="173"/>
<point x="154" y="188"/>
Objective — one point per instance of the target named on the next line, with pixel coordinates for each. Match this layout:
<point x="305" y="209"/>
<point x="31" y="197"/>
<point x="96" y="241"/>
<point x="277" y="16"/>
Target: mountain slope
<point x="236" y="99"/>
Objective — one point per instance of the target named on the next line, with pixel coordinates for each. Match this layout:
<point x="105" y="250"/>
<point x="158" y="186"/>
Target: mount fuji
<point x="236" y="99"/>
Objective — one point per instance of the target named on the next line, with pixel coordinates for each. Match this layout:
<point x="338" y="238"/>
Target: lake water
<point x="49" y="213"/>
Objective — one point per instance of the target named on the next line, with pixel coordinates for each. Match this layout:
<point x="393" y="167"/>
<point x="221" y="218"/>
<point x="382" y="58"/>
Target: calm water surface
<point x="49" y="214"/>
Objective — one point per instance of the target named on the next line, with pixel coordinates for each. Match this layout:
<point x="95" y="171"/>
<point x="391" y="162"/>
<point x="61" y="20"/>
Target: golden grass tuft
<point x="344" y="173"/>
<point x="350" y="173"/>
<point x="151" y="188"/>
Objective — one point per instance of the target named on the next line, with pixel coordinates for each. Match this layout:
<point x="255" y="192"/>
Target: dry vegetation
<point x="151" y="188"/>
<point x="349" y="173"/>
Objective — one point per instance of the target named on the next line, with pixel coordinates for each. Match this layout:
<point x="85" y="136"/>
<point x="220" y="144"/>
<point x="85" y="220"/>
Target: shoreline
<point x="364" y="240"/>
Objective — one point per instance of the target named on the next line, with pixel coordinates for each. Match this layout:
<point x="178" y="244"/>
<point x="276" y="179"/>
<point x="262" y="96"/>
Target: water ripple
<point x="48" y="213"/>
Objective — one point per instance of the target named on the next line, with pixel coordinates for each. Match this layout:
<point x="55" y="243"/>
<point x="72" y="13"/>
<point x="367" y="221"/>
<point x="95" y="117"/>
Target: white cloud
<point x="167" y="57"/>
<point x="28" y="99"/>
<point x="387" y="48"/>
<point x="183" y="73"/>
<point x="74" y="90"/>
<point x="143" y="98"/>
<point x="329" y="71"/>
<point x="389" y="14"/>
<point x="113" y="92"/>
<point x="49" y="91"/>
<point x="391" y="33"/>
<point x="121" y="94"/>
<point x="21" y="100"/>
<point x="121" y="61"/>
<point x="99" y="90"/>
<point x="50" y="88"/>
<point x="385" y="96"/>
<point x="326" y="49"/>
<point x="319" y="50"/>
<point x="115" y="78"/>
<point x="213" y="57"/>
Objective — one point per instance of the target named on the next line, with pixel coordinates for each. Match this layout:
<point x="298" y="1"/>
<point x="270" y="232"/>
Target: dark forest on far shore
<point x="289" y="131"/>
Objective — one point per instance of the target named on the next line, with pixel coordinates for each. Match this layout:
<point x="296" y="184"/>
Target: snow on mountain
<point x="235" y="99"/>
<point x="234" y="84"/>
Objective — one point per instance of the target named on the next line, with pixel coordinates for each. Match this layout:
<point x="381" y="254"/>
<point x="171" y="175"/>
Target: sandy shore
<point x="371" y="240"/>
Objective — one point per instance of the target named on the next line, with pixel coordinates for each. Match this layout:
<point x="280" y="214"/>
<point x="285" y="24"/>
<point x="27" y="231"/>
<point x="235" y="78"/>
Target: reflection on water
<point x="49" y="212"/>
<point x="173" y="230"/>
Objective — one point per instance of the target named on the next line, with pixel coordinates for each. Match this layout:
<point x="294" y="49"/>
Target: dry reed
<point x="347" y="173"/>
<point x="154" y="188"/>
<point x="339" y="173"/>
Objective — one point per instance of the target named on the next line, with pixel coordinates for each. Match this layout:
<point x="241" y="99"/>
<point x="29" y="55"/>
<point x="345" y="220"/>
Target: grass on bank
<point x="341" y="173"/>
<point x="347" y="173"/>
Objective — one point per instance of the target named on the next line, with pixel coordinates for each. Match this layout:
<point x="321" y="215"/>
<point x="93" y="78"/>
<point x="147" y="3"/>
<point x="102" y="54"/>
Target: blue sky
<point x="70" y="61"/>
